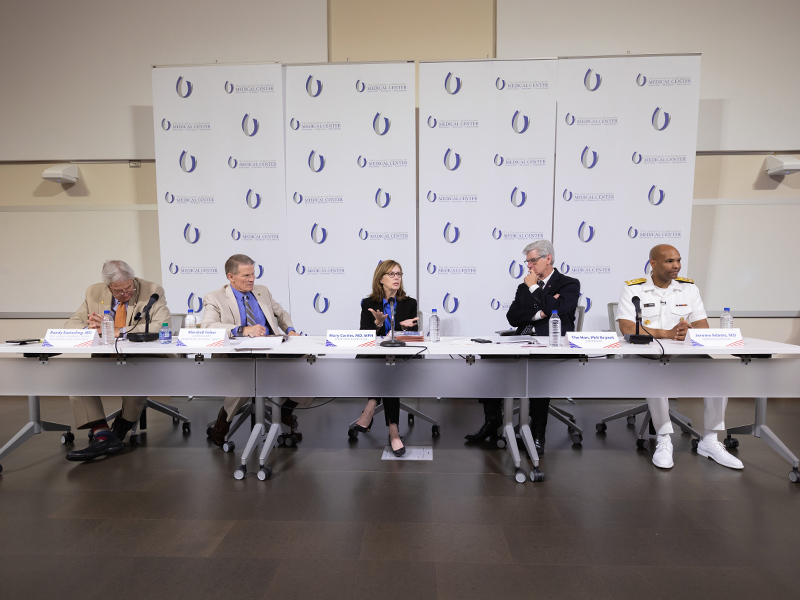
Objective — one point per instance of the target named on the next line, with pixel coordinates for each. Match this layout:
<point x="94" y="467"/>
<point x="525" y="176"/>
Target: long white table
<point x="454" y="367"/>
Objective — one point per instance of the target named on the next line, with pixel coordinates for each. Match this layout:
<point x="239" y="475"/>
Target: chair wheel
<point x="730" y="442"/>
<point x="640" y="444"/>
<point x="519" y="476"/>
<point x="501" y="442"/>
<point x="1" y="470"/>
<point x="435" y="430"/>
<point x="695" y="441"/>
<point x="68" y="438"/>
<point x="228" y="446"/>
<point x="134" y="439"/>
<point x="281" y="440"/>
<point x="187" y="428"/>
<point x="264" y="473"/>
<point x="239" y="473"/>
<point x="794" y="475"/>
<point x="601" y="427"/>
<point x="352" y="434"/>
<point x="577" y="438"/>
<point x="631" y="420"/>
<point x="208" y="431"/>
<point x="175" y="420"/>
<point x="410" y="419"/>
<point x="290" y="440"/>
<point x="537" y="475"/>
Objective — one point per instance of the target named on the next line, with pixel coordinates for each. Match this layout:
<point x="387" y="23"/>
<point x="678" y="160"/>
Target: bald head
<point x="658" y="250"/>
<point x="665" y="262"/>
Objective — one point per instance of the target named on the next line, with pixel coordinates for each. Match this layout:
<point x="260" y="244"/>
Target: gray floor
<point x="167" y="519"/>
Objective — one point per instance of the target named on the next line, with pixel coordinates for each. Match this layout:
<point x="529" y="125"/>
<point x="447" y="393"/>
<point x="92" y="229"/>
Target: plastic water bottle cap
<point x="106" y="312"/>
<point x="164" y="325"/>
<point x="555" y="312"/>
<point x="727" y="309"/>
<point x="433" y="310"/>
<point x="191" y="311"/>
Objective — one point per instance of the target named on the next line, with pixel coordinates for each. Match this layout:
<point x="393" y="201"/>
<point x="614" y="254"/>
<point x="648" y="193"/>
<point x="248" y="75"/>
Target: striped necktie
<point x="251" y="318"/>
<point x="121" y="316"/>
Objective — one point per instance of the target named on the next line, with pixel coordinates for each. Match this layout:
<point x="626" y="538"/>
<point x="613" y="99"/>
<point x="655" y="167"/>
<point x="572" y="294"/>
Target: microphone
<point x="638" y="338"/>
<point x="153" y="299"/>
<point x="392" y="342"/>
<point x="146" y="336"/>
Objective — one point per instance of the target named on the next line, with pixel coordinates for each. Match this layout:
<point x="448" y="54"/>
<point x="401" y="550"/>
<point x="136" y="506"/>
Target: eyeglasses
<point x="127" y="292"/>
<point x="394" y="274"/>
<point x="532" y="261"/>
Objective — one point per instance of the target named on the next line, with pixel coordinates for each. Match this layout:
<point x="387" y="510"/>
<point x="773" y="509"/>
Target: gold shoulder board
<point x="684" y="280"/>
<point x="636" y="281"/>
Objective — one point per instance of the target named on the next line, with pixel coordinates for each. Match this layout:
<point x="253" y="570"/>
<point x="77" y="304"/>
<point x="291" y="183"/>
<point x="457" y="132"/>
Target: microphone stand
<point x="392" y="343"/>
<point x="146" y="336"/>
<point x="638" y="338"/>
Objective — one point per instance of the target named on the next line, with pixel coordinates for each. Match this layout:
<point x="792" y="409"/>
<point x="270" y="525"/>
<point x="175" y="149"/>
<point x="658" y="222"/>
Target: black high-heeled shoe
<point x="402" y="450"/>
<point x="362" y="429"/>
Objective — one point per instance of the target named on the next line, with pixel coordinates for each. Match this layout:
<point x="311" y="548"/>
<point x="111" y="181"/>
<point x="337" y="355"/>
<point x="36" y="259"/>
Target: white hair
<point x="117" y="270"/>
<point x="543" y="247"/>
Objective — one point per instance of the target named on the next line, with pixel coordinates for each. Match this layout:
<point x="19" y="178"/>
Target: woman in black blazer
<point x="387" y="282"/>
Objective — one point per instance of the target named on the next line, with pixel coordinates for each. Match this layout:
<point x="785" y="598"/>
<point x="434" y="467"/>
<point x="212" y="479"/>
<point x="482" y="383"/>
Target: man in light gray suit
<point x="245" y="310"/>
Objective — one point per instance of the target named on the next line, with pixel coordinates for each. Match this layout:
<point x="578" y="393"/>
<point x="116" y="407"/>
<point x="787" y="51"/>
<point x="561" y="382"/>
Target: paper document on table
<point x="264" y="342"/>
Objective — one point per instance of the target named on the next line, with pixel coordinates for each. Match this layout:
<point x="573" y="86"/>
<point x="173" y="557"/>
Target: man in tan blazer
<point x="124" y="295"/>
<point x="245" y="310"/>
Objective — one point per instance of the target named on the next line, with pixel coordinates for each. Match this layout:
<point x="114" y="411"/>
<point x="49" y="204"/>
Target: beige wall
<point x="359" y="30"/>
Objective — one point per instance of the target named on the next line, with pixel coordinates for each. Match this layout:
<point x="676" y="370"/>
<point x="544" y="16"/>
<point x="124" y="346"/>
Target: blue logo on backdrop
<point x="636" y="158"/>
<point x="246" y="128"/>
<point x="378" y="128"/>
<point x="235" y="235"/>
<point x="294" y="124"/>
<point x="195" y="303"/>
<point x="495" y="304"/>
<point x="173" y="268"/>
<point x="647" y="268"/>
<point x="361" y="162"/>
<point x="515" y="270"/>
<point x="300" y="269"/>
<point x="448" y="164"/>
<point x="585" y="232"/>
<point x="382" y="198"/>
<point x="165" y="125"/>
<point x="253" y="200"/>
<point x="192" y="162"/>
<point x="657" y="117"/>
<point x="431" y="196"/>
<point x="360" y="86"/>
<point x="169" y="198"/>
<point x="588" y="303"/>
<point x="363" y="234"/>
<point x="587" y="81"/>
<point x="632" y="232"/>
<point x="518" y="199"/>
<point x="515" y="122"/>
<point x="259" y="271"/>
<point x="585" y="158"/>
<point x="432" y="122"/>
<point x="567" y="195"/>
<point x="498" y="160"/>
<point x="312" y="162"/>
<point x="310" y="88"/>
<point x="297" y="197"/>
<point x="184" y="91"/>
<point x="653" y="198"/>
<point x="641" y="80"/>
<point x="499" y="83"/>
<point x="191" y="234"/>
<point x="569" y="119"/>
<point x="229" y="87"/>
<point x="450" y="233"/>
<point x="232" y="162"/>
<point x="564" y="268"/>
<point x="497" y="233"/>
<point x="431" y="268"/>
<point x="318" y="234"/>
<point x="448" y="84"/>
<point x="450" y="304"/>
<point x="321" y="304"/>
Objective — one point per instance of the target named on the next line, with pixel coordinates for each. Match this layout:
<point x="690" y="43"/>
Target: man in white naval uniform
<point x="670" y="306"/>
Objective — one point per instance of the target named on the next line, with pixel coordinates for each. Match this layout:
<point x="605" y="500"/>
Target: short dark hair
<point x="233" y="263"/>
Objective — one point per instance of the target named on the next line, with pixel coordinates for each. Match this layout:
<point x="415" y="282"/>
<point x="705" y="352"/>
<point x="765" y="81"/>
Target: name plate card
<point x="71" y="338"/>
<point x="346" y="338"/>
<point x="714" y="338"/>
<point x="592" y="339"/>
<point x="202" y="338"/>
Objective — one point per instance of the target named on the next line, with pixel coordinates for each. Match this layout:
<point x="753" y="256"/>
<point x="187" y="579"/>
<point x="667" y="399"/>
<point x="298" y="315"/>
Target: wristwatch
<point x="240" y="331"/>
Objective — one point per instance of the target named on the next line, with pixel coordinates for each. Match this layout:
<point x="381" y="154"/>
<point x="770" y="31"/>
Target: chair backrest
<point x="612" y="317"/>
<point x="579" y="314"/>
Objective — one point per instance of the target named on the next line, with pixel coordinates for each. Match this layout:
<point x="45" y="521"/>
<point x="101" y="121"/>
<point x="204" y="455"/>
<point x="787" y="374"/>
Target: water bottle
<point x="433" y="324"/>
<point x="190" y="322"/>
<point x="555" y="330"/>
<point x="725" y="319"/>
<point x="107" y="328"/>
<point x="164" y="334"/>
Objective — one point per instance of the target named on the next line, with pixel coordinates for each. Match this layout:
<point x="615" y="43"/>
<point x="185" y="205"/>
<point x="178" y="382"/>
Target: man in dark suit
<point x="543" y="291"/>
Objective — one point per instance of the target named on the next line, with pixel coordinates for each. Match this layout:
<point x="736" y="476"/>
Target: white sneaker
<point x="717" y="452"/>
<point x="663" y="455"/>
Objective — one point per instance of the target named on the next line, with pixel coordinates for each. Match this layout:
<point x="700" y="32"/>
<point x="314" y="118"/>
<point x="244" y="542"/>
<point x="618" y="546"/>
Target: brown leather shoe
<point x="291" y="422"/>
<point x="220" y="428"/>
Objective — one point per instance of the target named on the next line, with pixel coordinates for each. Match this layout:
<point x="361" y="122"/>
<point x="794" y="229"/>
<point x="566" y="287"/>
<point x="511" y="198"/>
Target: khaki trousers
<point x="89" y="409"/>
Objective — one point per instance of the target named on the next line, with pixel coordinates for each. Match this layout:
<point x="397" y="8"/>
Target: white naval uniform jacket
<point x="662" y="308"/>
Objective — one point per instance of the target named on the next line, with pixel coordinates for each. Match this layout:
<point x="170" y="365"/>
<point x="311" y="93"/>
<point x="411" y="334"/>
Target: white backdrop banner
<point x="350" y="186"/>
<point x="221" y="188"/>
<point x="626" y="131"/>
<point x="486" y="142"/>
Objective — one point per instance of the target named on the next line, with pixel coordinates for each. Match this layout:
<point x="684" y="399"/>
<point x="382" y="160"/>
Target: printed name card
<point x="202" y="338"/>
<point x="345" y="338"/>
<point x="592" y="339"/>
<point x="71" y="338"/>
<point x="714" y="338"/>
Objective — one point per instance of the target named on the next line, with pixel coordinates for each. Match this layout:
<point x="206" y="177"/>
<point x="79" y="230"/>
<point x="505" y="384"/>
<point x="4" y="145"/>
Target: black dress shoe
<point x="539" y="444"/>
<point x="105" y="445"/>
<point x="121" y="427"/>
<point x="220" y="428"/>
<point x="358" y="427"/>
<point x="487" y="430"/>
<point x="291" y="422"/>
